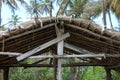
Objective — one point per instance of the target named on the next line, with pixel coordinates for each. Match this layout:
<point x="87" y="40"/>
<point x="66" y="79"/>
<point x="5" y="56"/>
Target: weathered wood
<point x="10" y="53"/>
<point x="77" y="49"/>
<point x="63" y="65"/>
<point x="70" y="56"/>
<point x="108" y="74"/>
<point x="41" y="47"/>
<point x="6" y="73"/>
<point x="60" y="52"/>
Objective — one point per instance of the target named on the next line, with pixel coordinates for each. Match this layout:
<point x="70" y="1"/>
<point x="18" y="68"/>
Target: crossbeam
<point x="10" y="53"/>
<point x="70" y="56"/>
<point x="63" y="65"/>
<point x="41" y="47"/>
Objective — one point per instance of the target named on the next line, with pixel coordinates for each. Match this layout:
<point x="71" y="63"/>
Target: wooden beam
<point x="83" y="51"/>
<point x="63" y="65"/>
<point x="41" y="47"/>
<point x="60" y="53"/>
<point x="115" y="66"/>
<point x="10" y="53"/>
<point x="77" y="49"/>
<point x="70" y="56"/>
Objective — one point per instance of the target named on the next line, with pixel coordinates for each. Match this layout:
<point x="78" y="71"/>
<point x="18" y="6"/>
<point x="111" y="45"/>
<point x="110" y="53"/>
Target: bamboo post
<point x="108" y="74"/>
<point x="6" y="73"/>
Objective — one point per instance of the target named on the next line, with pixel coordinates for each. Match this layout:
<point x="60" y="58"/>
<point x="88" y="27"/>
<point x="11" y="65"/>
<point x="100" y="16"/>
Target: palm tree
<point x="34" y="9"/>
<point x="115" y="4"/>
<point x="14" y="20"/>
<point x="63" y="6"/>
<point x="76" y="8"/>
<point x="47" y="6"/>
<point x="91" y="10"/>
<point x="12" y="4"/>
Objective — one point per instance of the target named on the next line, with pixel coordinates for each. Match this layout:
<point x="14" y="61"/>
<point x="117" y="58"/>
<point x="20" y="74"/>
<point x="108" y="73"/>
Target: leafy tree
<point x="76" y="7"/>
<point x="14" y="20"/>
<point x="13" y="5"/>
<point x="47" y="6"/>
<point x="92" y="10"/>
<point x="34" y="9"/>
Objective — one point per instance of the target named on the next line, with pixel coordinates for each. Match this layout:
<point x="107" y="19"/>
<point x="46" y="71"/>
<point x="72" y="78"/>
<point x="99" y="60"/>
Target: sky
<point x="6" y="15"/>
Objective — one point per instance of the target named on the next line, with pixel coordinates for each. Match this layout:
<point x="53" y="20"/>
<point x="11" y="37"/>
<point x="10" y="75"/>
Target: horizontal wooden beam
<point x="41" y="47"/>
<point x="63" y="65"/>
<point x="70" y="56"/>
<point x="115" y="66"/>
<point x="10" y="53"/>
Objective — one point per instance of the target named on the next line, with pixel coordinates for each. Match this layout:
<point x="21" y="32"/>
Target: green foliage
<point x="115" y="75"/>
<point x="99" y="74"/>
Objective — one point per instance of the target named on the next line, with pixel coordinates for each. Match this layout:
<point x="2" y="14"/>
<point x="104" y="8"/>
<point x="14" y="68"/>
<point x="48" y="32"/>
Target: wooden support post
<point x="6" y="73"/>
<point x="55" y="68"/>
<point x="60" y="47"/>
<point x="60" y="52"/>
<point x="108" y="74"/>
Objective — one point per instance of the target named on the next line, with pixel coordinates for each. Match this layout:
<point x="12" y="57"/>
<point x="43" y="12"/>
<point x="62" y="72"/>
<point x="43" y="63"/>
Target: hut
<point x="58" y="38"/>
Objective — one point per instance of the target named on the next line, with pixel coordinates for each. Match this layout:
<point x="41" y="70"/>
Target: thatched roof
<point x="84" y="34"/>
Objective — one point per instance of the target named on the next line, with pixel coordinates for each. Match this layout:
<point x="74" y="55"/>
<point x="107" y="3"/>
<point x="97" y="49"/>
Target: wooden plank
<point x="63" y="65"/>
<point x="77" y="49"/>
<point x="41" y="47"/>
<point x="10" y="53"/>
<point x="60" y="53"/>
<point x="70" y="56"/>
<point x="60" y="47"/>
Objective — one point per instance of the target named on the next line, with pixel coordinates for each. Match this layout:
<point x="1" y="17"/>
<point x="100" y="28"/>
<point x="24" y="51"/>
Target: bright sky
<point x="6" y="14"/>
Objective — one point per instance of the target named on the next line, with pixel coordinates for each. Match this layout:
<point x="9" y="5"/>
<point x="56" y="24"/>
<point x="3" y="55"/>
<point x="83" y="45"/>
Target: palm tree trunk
<point x="110" y="19"/>
<point x="104" y="15"/>
<point x="36" y="16"/>
<point x="51" y="9"/>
